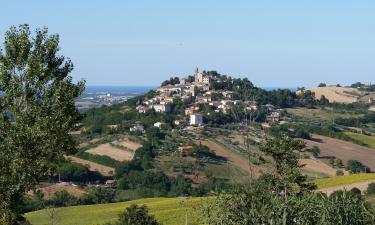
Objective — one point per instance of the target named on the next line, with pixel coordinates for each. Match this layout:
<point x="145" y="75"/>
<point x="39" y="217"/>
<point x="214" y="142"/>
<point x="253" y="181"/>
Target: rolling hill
<point x="168" y="211"/>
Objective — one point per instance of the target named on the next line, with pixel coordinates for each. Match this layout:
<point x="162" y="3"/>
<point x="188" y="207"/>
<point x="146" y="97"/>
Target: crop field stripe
<point x="344" y="180"/>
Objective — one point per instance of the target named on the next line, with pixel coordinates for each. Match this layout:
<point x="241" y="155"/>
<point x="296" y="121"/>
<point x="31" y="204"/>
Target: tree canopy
<point x="37" y="112"/>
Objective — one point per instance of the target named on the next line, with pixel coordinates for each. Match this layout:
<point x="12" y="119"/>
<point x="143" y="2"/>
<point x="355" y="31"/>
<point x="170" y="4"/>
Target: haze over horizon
<point x="274" y="44"/>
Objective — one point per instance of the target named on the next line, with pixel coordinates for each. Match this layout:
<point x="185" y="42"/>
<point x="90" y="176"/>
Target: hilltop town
<point x="203" y="89"/>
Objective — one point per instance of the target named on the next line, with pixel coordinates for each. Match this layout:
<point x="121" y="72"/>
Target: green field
<point x="344" y="180"/>
<point x="168" y="211"/>
<point x="368" y="140"/>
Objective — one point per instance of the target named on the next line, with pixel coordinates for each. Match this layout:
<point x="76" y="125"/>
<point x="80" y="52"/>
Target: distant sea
<point x="139" y="90"/>
<point x="132" y="90"/>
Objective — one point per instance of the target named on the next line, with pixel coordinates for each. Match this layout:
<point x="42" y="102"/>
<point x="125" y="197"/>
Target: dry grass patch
<point x="338" y="94"/>
<point x="104" y="170"/>
<point x="120" y="150"/>
<point x="316" y="166"/>
<point x="49" y="190"/>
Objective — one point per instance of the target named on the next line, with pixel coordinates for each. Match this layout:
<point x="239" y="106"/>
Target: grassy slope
<point x="168" y="211"/>
<point x="344" y="180"/>
<point x="368" y="140"/>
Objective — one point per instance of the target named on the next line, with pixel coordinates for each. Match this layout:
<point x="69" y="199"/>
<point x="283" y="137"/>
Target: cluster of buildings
<point x="196" y="91"/>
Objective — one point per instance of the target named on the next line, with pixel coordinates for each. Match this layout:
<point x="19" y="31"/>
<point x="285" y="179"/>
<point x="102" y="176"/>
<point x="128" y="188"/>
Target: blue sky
<point x="273" y="43"/>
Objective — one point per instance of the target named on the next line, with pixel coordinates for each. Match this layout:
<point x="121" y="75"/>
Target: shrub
<point x="135" y="214"/>
<point x="371" y="189"/>
<point x="339" y="173"/>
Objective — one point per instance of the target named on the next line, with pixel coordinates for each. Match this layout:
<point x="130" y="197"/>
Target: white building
<point x="196" y="119"/>
<point x="159" y="124"/>
<point x="162" y="107"/>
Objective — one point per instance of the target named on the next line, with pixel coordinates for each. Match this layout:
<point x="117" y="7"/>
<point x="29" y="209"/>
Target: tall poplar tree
<point x="37" y="112"/>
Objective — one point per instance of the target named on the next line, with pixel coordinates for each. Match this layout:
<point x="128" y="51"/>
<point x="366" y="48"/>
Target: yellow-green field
<point x="168" y="211"/>
<point x="368" y="140"/>
<point x="344" y="180"/>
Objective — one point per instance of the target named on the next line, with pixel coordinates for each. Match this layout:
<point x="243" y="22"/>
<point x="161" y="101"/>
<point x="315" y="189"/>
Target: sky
<point x="273" y="43"/>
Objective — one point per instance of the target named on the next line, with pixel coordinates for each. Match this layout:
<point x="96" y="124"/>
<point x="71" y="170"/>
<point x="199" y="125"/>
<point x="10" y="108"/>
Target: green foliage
<point x="101" y="159"/>
<point x="97" y="195"/>
<point x="37" y="113"/>
<point x="74" y="172"/>
<point x="315" y="151"/>
<point x="371" y="189"/>
<point x="171" y="81"/>
<point x="268" y="201"/>
<point x="283" y="151"/>
<point x="135" y="214"/>
<point x="355" y="166"/>
<point x="63" y="198"/>
<point x="257" y="205"/>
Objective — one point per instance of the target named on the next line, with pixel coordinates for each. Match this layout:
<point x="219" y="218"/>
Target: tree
<point x="322" y="85"/>
<point x="282" y="150"/>
<point x="37" y="113"/>
<point x="315" y="151"/>
<point x="355" y="166"/>
<point x="135" y="214"/>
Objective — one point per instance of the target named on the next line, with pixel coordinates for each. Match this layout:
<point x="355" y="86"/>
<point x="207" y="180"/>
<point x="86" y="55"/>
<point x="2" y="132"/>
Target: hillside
<point x="338" y="94"/>
<point x="168" y="211"/>
<point x="344" y="150"/>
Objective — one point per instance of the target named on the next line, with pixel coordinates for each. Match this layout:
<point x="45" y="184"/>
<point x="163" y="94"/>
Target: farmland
<point x="338" y="94"/>
<point x="120" y="150"/>
<point x="327" y="114"/>
<point x="344" y="150"/>
<point x="366" y="139"/>
<point x="317" y="167"/>
<point x="344" y="180"/>
<point x="168" y="211"/>
<point x="104" y="170"/>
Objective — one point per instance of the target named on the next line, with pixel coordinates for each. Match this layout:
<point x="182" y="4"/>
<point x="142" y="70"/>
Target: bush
<point x="97" y="195"/>
<point x="371" y="189"/>
<point x="315" y="151"/>
<point x="355" y="166"/>
<point x="63" y="198"/>
<point x="135" y="214"/>
<point x="339" y="173"/>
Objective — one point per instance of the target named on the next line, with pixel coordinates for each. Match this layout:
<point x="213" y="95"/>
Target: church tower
<point x="198" y="77"/>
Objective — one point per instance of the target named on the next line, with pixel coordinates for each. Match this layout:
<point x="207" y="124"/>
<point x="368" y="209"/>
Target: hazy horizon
<point x="274" y="44"/>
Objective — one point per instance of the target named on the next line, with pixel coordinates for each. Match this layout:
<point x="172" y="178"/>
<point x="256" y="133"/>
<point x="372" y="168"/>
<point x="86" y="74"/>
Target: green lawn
<point x="344" y="180"/>
<point x="368" y="140"/>
<point x="168" y="211"/>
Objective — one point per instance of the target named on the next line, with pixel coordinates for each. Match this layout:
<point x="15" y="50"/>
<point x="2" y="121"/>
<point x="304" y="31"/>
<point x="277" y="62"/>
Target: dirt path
<point x="231" y="157"/>
<point x="361" y="186"/>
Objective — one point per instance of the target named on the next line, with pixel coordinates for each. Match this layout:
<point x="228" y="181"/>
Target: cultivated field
<point x="50" y="189"/>
<point x="366" y="139"/>
<point x="344" y="180"/>
<point x="338" y="94"/>
<point x="232" y="157"/>
<point x="317" y="167"/>
<point x="122" y="150"/>
<point x="168" y="211"/>
<point x="104" y="170"/>
<point x="343" y="150"/>
<point x="322" y="114"/>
